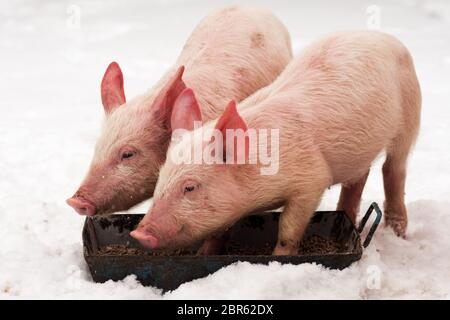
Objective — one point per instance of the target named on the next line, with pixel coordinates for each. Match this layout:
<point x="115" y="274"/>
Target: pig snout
<point x="158" y="229"/>
<point x="145" y="238"/>
<point x="82" y="205"/>
<point x="150" y="234"/>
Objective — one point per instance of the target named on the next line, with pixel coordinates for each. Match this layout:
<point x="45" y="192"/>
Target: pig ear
<point x="165" y="100"/>
<point x="233" y="146"/>
<point x="185" y="111"/>
<point x="112" y="91"/>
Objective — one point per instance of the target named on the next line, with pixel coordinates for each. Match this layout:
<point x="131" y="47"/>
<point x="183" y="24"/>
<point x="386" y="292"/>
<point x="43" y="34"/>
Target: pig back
<point x="232" y="53"/>
<point x="340" y="98"/>
<point x="355" y="99"/>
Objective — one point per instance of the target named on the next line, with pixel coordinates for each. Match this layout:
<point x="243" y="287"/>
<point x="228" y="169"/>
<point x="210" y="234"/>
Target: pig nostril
<point x="82" y="205"/>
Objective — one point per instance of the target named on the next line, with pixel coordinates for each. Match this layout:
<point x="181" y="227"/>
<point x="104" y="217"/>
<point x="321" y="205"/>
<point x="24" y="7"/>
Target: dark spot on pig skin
<point x="257" y="40"/>
<point x="241" y="73"/>
<point x="283" y="243"/>
<point x="320" y="60"/>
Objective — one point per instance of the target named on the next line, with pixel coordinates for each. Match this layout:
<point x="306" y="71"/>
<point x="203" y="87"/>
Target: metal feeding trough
<point x="170" y="271"/>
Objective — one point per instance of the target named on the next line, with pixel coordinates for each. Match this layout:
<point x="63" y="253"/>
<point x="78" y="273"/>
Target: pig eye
<point x="189" y="189"/>
<point x="128" y="155"/>
<point x="190" y="186"/>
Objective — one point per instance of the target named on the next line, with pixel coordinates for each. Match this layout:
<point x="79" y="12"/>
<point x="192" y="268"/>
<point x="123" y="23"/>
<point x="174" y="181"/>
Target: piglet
<point x="232" y="53"/>
<point x="337" y="106"/>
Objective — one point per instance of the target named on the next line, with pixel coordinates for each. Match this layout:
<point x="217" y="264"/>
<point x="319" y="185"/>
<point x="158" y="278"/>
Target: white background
<point x="52" y="57"/>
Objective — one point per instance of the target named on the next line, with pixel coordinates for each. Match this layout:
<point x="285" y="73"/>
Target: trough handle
<point x="362" y="224"/>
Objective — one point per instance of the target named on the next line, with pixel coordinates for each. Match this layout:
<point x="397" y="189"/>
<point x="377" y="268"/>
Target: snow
<point x="53" y="54"/>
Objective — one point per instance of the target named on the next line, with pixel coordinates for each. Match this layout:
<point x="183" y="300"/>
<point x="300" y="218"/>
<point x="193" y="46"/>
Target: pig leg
<point x="293" y="221"/>
<point x="394" y="168"/>
<point x="394" y="174"/>
<point x="214" y="244"/>
<point x="350" y="197"/>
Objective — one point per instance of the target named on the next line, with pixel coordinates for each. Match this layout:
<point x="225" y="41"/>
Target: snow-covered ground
<point x="52" y="57"/>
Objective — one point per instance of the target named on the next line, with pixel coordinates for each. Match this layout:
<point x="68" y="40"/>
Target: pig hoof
<point x="284" y="251"/>
<point x="399" y="227"/>
<point x="208" y="250"/>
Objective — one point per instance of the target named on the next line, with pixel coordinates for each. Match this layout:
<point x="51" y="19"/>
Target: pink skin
<point x="344" y="100"/>
<point x="106" y="188"/>
<point x="81" y="206"/>
<point x="146" y="239"/>
<point x="231" y="54"/>
<point x="159" y="229"/>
